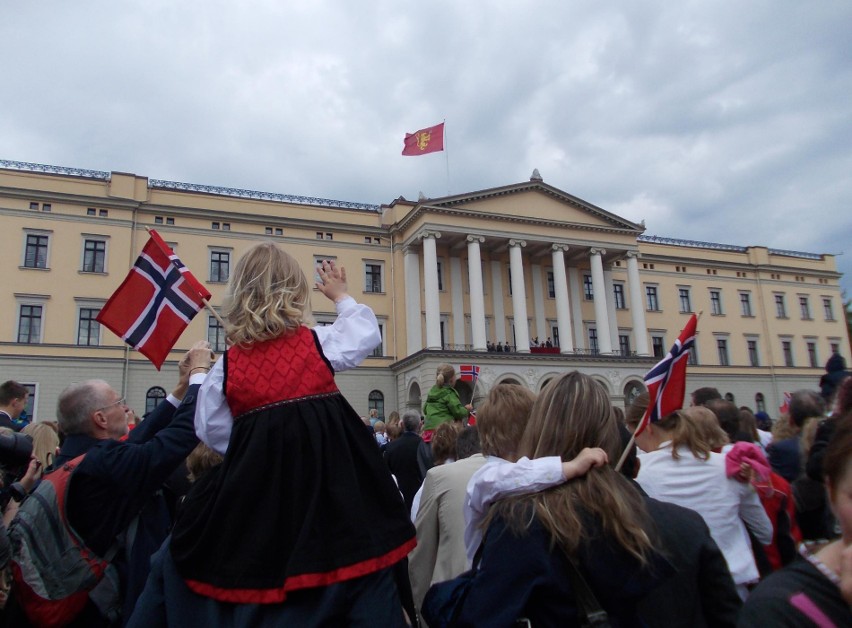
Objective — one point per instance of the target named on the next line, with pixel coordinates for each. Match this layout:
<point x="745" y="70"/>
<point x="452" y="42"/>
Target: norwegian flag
<point x="155" y="302"/>
<point x="468" y="372"/>
<point x="785" y="405"/>
<point x="666" y="382"/>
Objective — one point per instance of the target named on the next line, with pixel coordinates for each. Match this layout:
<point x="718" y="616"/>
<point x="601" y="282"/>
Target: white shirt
<point x="345" y="343"/>
<point x="499" y="478"/>
<point x="726" y="505"/>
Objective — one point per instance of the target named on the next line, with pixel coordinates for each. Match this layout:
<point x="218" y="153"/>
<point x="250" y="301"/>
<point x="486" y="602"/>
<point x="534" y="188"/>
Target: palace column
<point x="611" y="312"/>
<point x="430" y="283"/>
<point x="497" y="300"/>
<point x="458" y="301"/>
<point x="599" y="289"/>
<point x="413" y="322"/>
<point x="576" y="301"/>
<point x="519" y="296"/>
<point x="563" y="305"/>
<point x="637" y="305"/>
<point x="538" y="302"/>
<point x="477" y="298"/>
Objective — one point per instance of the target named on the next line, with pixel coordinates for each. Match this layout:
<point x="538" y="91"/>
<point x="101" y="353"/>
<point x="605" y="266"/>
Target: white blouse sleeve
<point x="498" y="479"/>
<point x="213" y="420"/>
<point x="352" y="337"/>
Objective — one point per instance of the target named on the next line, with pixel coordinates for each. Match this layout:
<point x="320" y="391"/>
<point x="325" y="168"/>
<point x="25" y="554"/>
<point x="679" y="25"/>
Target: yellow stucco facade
<point x="608" y="296"/>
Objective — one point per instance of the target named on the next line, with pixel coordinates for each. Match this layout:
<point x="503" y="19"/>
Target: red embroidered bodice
<point x="284" y="369"/>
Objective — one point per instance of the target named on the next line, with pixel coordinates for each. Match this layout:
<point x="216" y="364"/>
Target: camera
<point x="15" y="450"/>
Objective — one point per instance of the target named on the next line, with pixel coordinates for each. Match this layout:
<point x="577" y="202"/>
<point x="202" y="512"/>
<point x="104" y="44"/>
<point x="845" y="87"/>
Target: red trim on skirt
<point x="303" y="581"/>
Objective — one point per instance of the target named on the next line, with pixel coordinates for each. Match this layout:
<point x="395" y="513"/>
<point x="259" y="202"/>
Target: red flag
<point x="666" y="382"/>
<point x="424" y="141"/>
<point x="155" y="302"/>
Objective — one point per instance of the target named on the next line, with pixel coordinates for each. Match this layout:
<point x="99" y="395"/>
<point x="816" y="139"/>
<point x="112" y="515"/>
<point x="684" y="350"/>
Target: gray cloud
<point x="718" y="121"/>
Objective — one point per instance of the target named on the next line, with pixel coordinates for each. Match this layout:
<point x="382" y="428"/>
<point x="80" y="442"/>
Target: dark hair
<point x="636" y="410"/>
<point x="444" y="442"/>
<point x="700" y="396"/>
<point x="727" y="414"/>
<point x="10" y="391"/>
<point x="748" y="426"/>
<point x="805" y="404"/>
<point x="838" y="454"/>
<point x="844" y="396"/>
<point x="467" y="443"/>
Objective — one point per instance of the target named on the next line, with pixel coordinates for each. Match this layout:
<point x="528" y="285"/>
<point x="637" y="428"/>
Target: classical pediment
<point x="534" y="201"/>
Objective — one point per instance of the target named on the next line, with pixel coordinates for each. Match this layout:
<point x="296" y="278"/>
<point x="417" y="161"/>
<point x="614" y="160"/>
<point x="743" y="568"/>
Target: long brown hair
<point x="572" y="413"/>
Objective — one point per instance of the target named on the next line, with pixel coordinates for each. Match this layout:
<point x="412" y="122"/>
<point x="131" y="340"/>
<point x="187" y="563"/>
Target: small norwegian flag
<point x="785" y="405"/>
<point x="155" y="302"/>
<point x="666" y="382"/>
<point x="468" y="372"/>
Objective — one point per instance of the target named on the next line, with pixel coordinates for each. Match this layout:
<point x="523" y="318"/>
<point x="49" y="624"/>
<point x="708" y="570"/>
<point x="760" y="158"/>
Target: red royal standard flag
<point x="155" y="302"/>
<point x="430" y="140"/>
<point x="468" y="372"/>
<point x="666" y="382"/>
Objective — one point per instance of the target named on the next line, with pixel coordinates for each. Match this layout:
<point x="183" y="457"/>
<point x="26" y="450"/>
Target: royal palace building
<point x="552" y="281"/>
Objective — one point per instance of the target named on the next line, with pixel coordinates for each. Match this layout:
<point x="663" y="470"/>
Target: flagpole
<point x="203" y="300"/>
<point x="447" y="156"/>
<point x="639" y="427"/>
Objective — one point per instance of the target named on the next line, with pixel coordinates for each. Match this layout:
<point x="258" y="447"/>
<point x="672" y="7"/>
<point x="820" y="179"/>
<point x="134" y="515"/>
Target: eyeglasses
<point x="120" y="402"/>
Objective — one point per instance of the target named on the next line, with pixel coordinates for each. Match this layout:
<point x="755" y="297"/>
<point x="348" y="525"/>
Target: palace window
<point x="29" y="323"/>
<point x="685" y="301"/>
<point x="372" y="277"/>
<point x="780" y="306"/>
<point x="88" y="329"/>
<point x="716" y="302"/>
<point x="618" y="293"/>
<point x="745" y="303"/>
<point x="651" y="300"/>
<point x="588" y="291"/>
<point x="35" y="251"/>
<point x="94" y="256"/>
<point x="722" y="348"/>
<point x="153" y="398"/>
<point x="805" y="307"/>
<point x="220" y="266"/>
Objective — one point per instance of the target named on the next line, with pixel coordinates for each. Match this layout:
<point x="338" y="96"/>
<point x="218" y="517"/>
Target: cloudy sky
<point x="725" y="121"/>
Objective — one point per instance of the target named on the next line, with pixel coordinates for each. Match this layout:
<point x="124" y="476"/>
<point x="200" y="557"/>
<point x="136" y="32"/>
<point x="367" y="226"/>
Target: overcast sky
<point x="725" y="121"/>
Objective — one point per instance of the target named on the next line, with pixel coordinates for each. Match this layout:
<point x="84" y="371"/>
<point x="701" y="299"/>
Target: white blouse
<point x="726" y="505"/>
<point x="345" y="343"/>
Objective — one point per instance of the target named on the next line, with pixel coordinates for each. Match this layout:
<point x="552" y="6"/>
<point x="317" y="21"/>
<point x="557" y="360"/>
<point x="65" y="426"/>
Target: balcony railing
<point x="507" y="348"/>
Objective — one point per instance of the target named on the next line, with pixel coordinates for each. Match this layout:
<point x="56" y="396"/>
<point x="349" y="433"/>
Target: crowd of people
<point x="255" y="495"/>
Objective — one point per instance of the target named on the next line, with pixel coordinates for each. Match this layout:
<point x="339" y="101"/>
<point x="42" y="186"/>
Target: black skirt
<point x="303" y="499"/>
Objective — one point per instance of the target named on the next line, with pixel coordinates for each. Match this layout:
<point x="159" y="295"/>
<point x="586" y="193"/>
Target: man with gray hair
<point x="113" y="500"/>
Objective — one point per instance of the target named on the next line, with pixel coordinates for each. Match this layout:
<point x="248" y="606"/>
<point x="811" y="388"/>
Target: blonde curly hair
<point x="268" y="296"/>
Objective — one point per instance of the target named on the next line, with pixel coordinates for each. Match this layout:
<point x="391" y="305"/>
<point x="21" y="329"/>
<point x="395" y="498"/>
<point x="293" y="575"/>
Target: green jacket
<point x="442" y="405"/>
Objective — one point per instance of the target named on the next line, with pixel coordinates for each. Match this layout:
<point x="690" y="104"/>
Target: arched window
<point x="376" y="401"/>
<point x="760" y="403"/>
<point x="414" y="396"/>
<point x="729" y="397"/>
<point x="153" y="398"/>
<point x="631" y="391"/>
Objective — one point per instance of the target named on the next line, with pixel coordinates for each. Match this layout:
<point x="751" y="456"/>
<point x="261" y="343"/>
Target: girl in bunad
<point x="301" y="523"/>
